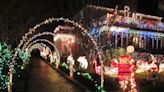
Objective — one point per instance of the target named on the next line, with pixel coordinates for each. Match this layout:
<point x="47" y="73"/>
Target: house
<point x="115" y="28"/>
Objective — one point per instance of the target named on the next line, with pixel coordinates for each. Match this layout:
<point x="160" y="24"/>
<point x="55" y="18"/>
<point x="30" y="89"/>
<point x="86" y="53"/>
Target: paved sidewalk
<point x="84" y="88"/>
<point x="43" y="78"/>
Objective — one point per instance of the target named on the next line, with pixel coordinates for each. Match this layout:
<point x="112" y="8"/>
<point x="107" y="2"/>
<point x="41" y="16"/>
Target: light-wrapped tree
<point x="6" y="55"/>
<point x="5" y="58"/>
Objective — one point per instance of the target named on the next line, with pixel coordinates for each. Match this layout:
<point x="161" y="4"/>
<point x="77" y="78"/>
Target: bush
<point x="6" y="55"/>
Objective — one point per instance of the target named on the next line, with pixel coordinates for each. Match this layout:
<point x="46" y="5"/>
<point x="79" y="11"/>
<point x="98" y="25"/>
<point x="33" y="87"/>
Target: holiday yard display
<point x="5" y="58"/>
<point x="126" y="69"/>
<point x="106" y="32"/>
<point x="6" y="55"/>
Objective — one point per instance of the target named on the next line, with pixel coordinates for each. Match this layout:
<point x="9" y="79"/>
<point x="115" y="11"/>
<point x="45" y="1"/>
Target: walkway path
<point x="45" y="79"/>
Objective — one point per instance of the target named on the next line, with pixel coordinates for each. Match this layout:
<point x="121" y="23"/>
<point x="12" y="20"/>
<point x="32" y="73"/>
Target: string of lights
<point x="48" y="21"/>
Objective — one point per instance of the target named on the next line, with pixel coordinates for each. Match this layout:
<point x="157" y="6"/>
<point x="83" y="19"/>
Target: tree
<point x="6" y="55"/>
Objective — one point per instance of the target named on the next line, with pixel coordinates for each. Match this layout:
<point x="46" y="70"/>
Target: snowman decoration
<point x="71" y="63"/>
<point x="83" y="63"/>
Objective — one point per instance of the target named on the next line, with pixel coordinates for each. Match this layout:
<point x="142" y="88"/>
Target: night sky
<point x="17" y="16"/>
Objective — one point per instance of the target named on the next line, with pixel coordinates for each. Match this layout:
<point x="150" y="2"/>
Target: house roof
<point x="91" y="13"/>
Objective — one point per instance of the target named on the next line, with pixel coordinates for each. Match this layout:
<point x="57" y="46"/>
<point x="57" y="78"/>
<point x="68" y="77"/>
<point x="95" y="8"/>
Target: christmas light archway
<point x="38" y="46"/>
<point x="35" y="36"/>
<point x="48" y="21"/>
<point x="69" y="39"/>
<point x="28" y="44"/>
<point x="42" y="40"/>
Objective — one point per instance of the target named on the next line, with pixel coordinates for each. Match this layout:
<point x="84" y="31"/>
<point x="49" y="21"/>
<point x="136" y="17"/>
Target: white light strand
<point x="39" y="40"/>
<point x="44" y="40"/>
<point x="38" y="46"/>
<point x="35" y="36"/>
<point x="123" y="11"/>
<point x="31" y="30"/>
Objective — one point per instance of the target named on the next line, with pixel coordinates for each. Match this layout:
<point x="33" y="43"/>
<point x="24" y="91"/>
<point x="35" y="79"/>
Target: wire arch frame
<point x="38" y="46"/>
<point x="48" y="21"/>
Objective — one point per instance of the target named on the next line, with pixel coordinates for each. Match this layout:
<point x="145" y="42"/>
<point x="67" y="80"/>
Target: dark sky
<point x="17" y="16"/>
<point x="67" y="8"/>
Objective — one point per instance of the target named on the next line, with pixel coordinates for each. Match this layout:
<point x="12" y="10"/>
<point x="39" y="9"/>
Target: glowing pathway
<point x="45" y="79"/>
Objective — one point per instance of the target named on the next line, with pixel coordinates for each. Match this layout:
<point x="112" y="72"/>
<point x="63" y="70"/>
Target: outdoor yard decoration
<point x="71" y="63"/>
<point x="126" y="69"/>
<point x="24" y="56"/>
<point x="6" y="55"/>
<point x="146" y="66"/>
<point x="46" y="22"/>
<point x="83" y="62"/>
<point x="5" y="58"/>
<point x="54" y="59"/>
<point x="150" y="70"/>
<point x="161" y="68"/>
<point x="126" y="20"/>
<point x="44" y="53"/>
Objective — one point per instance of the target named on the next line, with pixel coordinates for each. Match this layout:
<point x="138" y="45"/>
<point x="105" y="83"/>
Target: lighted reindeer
<point x="147" y="66"/>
